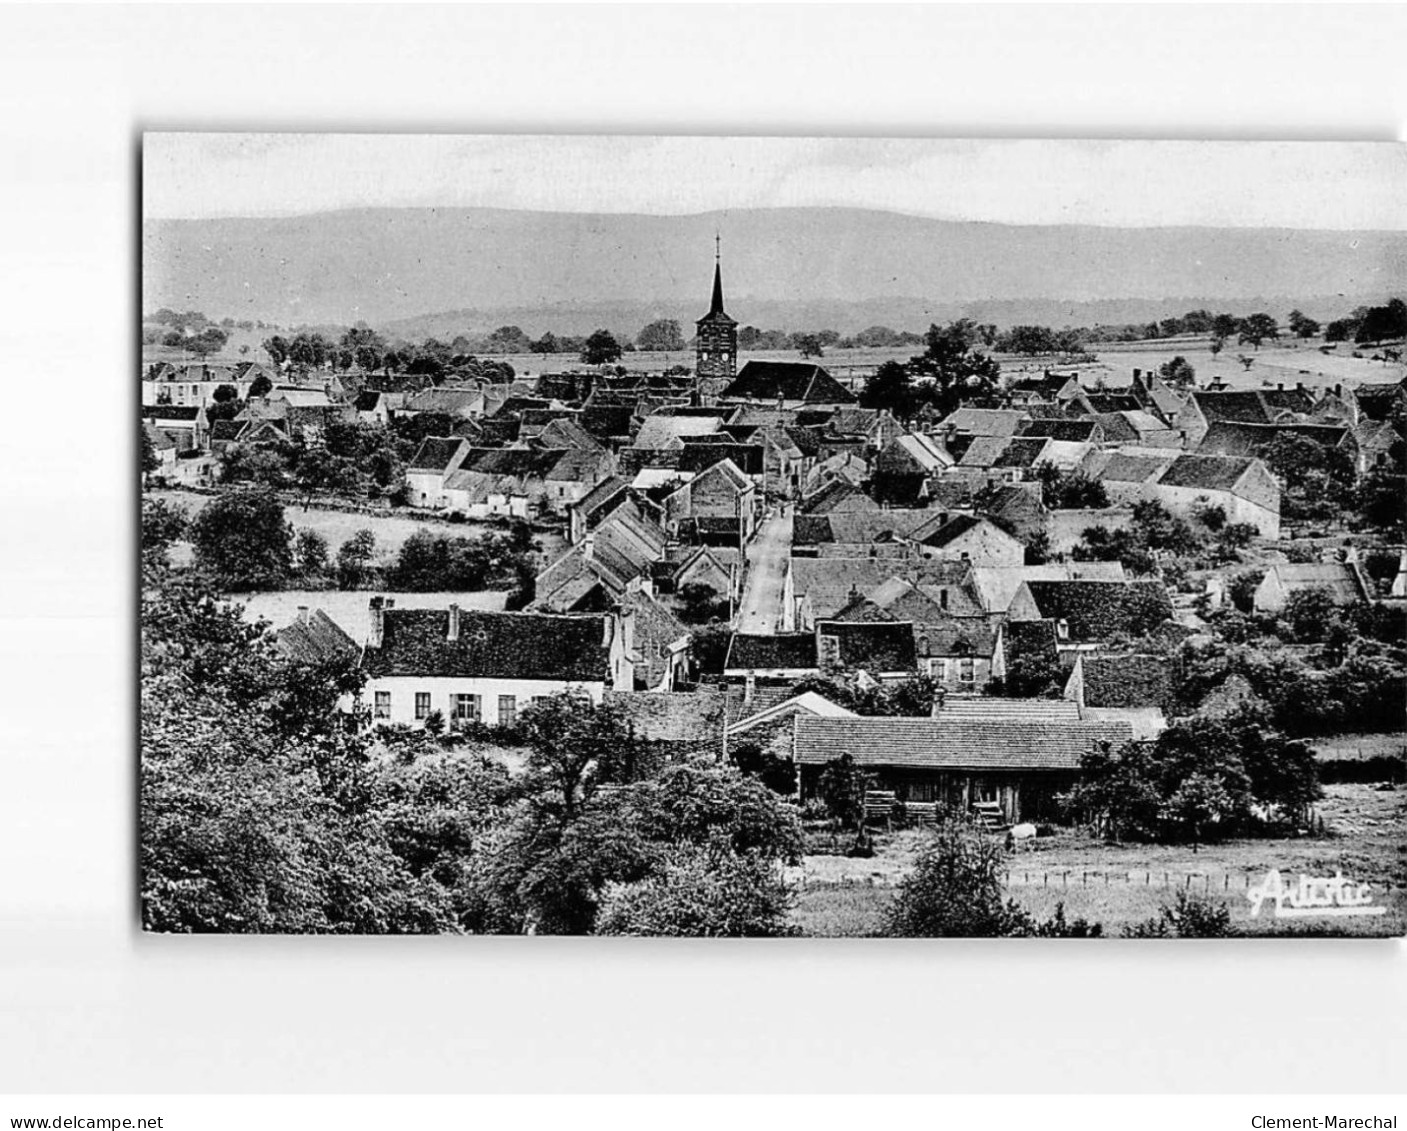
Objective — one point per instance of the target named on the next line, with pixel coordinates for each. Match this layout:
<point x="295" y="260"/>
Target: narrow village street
<point x="760" y="610"/>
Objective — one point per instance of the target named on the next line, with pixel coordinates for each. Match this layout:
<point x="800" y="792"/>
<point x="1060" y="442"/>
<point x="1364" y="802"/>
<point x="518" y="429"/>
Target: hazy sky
<point x="1280" y="184"/>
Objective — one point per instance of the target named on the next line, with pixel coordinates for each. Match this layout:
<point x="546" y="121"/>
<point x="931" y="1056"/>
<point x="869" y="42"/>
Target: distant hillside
<point x="787" y="268"/>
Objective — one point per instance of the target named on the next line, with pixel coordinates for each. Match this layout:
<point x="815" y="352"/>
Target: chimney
<point x="378" y="622"/>
<point x="1280" y="387"/>
<point x="1338" y="390"/>
<point x="1137" y="373"/>
<point x="781" y="398"/>
<point x="1299" y="386"/>
<point x="588" y="546"/>
<point x="453" y="634"/>
<point x="749" y="687"/>
<point x="302" y="614"/>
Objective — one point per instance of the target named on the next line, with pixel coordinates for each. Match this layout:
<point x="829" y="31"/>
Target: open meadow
<point x="1121" y="885"/>
<point x="391" y="529"/>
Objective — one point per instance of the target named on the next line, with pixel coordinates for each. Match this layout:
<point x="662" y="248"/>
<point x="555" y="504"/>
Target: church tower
<point x="716" y="354"/>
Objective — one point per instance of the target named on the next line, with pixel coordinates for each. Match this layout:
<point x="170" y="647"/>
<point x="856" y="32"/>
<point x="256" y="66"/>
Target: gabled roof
<point x="566" y="432"/>
<point x="1343" y="580"/>
<point x="608" y="492"/>
<point x="315" y="639"/>
<point x="437" y="453"/>
<point x="1097" y="610"/>
<point x="651" y="716"/>
<point x="569" y="649"/>
<point x="1127" y="681"/>
<point x="807" y="703"/>
<point x="1022" y="451"/>
<point x="1206" y="472"/>
<point x="986" y="421"/>
<point x="787" y="651"/>
<point x="993" y="708"/>
<point x="935" y="744"/>
<point x="1232" y="438"/>
<point x="956" y="636"/>
<point x="997" y="585"/>
<point x="665" y="431"/>
<point x="833" y="496"/>
<point x="789" y="380"/>
<point x="367" y="400"/>
<point x="924" y="450"/>
<point x="873" y="646"/>
<point x="948" y="532"/>
<point x="1075" y="429"/>
<point x="1251" y="406"/>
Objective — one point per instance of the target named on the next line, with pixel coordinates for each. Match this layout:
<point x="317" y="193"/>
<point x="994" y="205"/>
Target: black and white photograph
<point x="772" y="537"/>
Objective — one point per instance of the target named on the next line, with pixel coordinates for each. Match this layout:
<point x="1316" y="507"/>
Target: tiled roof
<point x="672" y="717"/>
<point x="316" y="640"/>
<point x="935" y="744"/>
<point x="874" y="646"/>
<point x="436" y="453"/>
<point x="956" y="636"/>
<point x="1022" y="451"/>
<point x="993" y="708"/>
<point x="790" y="380"/>
<point x="1343" y="581"/>
<point x="1231" y="438"/>
<point x="1096" y="610"/>
<point x="787" y="650"/>
<point x="415" y="642"/>
<point x="1127" y="681"/>
<point x="986" y="421"/>
<point x="1075" y="429"/>
<point x="829" y="497"/>
<point x="1209" y="473"/>
<point x="659" y="431"/>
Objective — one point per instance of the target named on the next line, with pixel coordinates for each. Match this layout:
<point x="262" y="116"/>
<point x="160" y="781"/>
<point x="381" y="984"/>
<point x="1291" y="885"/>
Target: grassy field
<point x="1118" y="885"/>
<point x="391" y="531"/>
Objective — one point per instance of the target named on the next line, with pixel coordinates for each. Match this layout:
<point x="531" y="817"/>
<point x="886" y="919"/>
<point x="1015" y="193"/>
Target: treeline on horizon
<point x="365" y="348"/>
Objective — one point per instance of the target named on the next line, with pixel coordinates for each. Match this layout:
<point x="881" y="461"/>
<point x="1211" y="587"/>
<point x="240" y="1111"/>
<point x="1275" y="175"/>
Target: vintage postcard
<point x="772" y="537"/>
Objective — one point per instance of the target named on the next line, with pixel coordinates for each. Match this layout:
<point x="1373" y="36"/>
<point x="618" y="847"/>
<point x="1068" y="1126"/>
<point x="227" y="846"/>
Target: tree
<point x="601" y="349"/>
<point x="700" y="893"/>
<point x="309" y="350"/>
<point x="1072" y="490"/>
<point x="224" y="393"/>
<point x="1301" y="326"/>
<point x="662" y="335"/>
<point x="956" y="890"/>
<point x="891" y="389"/>
<point x="1310" y="613"/>
<point x="702" y="603"/>
<point x="242" y="541"/>
<point x="1179" y="371"/>
<point x="354" y="557"/>
<point x="162" y="524"/>
<point x="1226" y="326"/>
<point x="310" y="553"/>
<point x="210" y="340"/>
<point x="146" y="449"/>
<point x="1259" y="328"/>
<point x="574" y="744"/>
<point x="277" y="349"/>
<point x="1382" y="323"/>
<point x="809" y="345"/>
<point x="261" y="386"/>
<point x="842" y="788"/>
<point x="546" y="344"/>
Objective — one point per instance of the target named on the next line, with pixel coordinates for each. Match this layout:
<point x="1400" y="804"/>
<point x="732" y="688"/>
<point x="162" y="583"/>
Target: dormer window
<point x="1062" y="629"/>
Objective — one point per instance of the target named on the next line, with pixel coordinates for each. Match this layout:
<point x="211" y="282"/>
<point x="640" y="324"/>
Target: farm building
<point x="1342" y="581"/>
<point x="1019" y="761"/>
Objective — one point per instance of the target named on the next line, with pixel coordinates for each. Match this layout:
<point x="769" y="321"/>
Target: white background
<point x="87" y="1004"/>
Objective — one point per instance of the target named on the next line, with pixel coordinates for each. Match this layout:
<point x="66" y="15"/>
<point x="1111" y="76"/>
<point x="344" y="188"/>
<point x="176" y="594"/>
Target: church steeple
<point x="716" y="352"/>
<point x="717" y="307"/>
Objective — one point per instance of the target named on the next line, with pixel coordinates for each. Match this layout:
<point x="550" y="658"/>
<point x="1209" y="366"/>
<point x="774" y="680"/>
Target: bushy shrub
<point x="1189" y="917"/>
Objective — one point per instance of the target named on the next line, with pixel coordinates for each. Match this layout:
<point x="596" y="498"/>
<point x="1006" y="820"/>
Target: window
<point x="830" y="650"/>
<point x="466" y="708"/>
<point x="507" y="710"/>
<point x="967" y="670"/>
<point x="422" y="704"/>
<point x="383" y="705"/>
<point x="940" y="670"/>
<point x="942" y="598"/>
